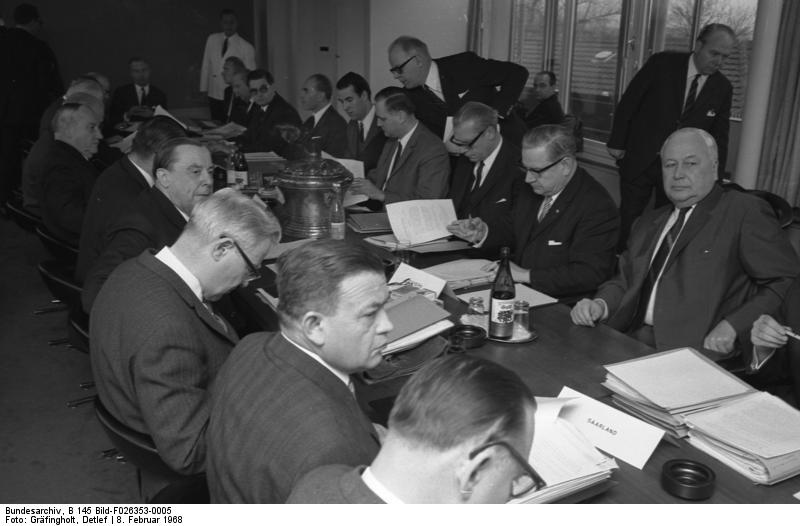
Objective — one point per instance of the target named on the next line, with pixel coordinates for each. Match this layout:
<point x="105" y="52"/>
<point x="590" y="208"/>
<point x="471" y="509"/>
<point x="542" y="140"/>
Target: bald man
<point x="699" y="271"/>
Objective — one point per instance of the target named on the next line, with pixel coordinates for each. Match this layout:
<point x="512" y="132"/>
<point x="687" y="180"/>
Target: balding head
<point x="689" y="165"/>
<point x="409" y="61"/>
<point x="90" y="101"/>
<point x="87" y="85"/>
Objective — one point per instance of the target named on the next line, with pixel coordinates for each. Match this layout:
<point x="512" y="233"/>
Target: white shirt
<point x="488" y="162"/>
<point x="433" y="81"/>
<point x="378" y="488"/>
<point x="366" y="122"/>
<point x="692" y="71"/>
<point x="142" y="91"/>
<point x="318" y="115"/>
<point x="147" y="176"/>
<point x="166" y="256"/>
<point x="403" y="142"/>
<point x="211" y="70"/>
<point x="345" y="378"/>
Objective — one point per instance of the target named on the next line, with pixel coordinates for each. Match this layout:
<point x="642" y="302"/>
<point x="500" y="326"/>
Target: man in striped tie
<point x="700" y="270"/>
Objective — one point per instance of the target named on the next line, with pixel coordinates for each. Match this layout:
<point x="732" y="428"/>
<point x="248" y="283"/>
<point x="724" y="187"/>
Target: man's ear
<point x="470" y="472"/>
<point x="313" y="326"/>
<point x="162" y="176"/>
<point x="220" y="248"/>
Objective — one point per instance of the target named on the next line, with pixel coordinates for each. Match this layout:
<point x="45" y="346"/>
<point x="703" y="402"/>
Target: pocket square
<point x="554" y="243"/>
<point x="503" y="200"/>
<point x="711" y="113"/>
<point x="461" y="95"/>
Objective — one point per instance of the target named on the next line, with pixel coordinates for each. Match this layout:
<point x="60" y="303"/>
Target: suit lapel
<point x="169" y="210"/>
<point x="133" y="173"/>
<point x="680" y="85"/>
<point x="496" y="174"/>
<point x="562" y="203"/>
<point x="695" y="223"/>
<point x="406" y="153"/>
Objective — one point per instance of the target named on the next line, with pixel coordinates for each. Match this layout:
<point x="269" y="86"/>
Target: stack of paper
<point x="563" y="457"/>
<point x="369" y="223"/>
<point x="464" y="272"/>
<point x="522" y="292"/>
<point x="662" y="388"/>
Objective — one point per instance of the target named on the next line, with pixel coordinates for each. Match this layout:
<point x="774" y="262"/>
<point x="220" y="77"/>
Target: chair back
<point x="57" y="277"/>
<point x="58" y="248"/>
<point x="782" y="209"/>
<point x="23" y="218"/>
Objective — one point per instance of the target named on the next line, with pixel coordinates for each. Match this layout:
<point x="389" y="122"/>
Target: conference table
<point x="562" y="355"/>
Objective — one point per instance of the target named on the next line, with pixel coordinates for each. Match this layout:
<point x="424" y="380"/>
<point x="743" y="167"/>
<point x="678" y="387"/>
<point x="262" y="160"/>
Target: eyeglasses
<point x="540" y="171"/>
<point x="522" y="484"/>
<point x="470" y="144"/>
<point x="399" y="69"/>
<point x="254" y="272"/>
<point x="261" y="89"/>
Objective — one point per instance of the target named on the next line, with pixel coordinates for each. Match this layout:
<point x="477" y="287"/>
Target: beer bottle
<point x="501" y="310"/>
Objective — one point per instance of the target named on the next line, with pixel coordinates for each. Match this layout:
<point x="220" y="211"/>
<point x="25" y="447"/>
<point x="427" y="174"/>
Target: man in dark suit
<point x="236" y="98"/>
<point x="414" y="163"/>
<point x="439" y="87"/>
<point x="137" y="100"/>
<point x="182" y="169"/>
<point x="365" y="139"/>
<point x="283" y="403"/>
<point x="699" y="272"/>
<point x="268" y="114"/>
<point x="487" y="175"/>
<point x="547" y="110"/>
<point x="672" y="90"/>
<point x="325" y="129"/>
<point x="119" y="186"/>
<point x="565" y="231"/>
<point x="460" y="432"/>
<point x="68" y="176"/>
<point x="156" y="345"/>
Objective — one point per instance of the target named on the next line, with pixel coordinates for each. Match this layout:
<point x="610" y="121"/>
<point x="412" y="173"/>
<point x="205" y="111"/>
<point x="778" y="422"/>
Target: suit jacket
<point x="787" y="361"/>
<point x="151" y="221"/>
<point x="332" y="131"/>
<point x="276" y="415"/>
<point x="467" y="77"/>
<point x="333" y="485"/>
<point x="156" y="350"/>
<point x="115" y="190"/>
<point x="261" y="134"/>
<point x="235" y="108"/>
<point x="652" y="106"/>
<point x="66" y="185"/>
<point x="572" y="251"/>
<point x="125" y="97"/>
<point x="547" y="111"/>
<point x="731" y="261"/>
<point x="368" y="151"/>
<point x="493" y="200"/>
<point x="422" y="172"/>
<point x="213" y="60"/>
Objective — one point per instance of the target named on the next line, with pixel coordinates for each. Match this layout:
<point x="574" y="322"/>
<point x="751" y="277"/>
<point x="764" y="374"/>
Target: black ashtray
<point x="687" y="479"/>
<point x="468" y="336"/>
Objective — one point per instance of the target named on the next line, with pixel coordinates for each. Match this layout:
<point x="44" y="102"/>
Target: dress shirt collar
<point x="345" y="378"/>
<point x="167" y="257"/>
<point x="433" y="81"/>
<point x="690" y="73"/>
<point x="367" y="121"/>
<point x="489" y="161"/>
<point x="405" y="138"/>
<point x="147" y="176"/>
<point x="377" y="487"/>
<point x="318" y="115"/>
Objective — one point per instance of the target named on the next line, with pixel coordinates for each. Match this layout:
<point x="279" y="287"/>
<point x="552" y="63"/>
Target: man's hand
<point x="721" y="338"/>
<point x="616" y="154"/>
<point x="767" y="332"/>
<point x="367" y="188"/>
<point x="587" y="312"/>
<point x="471" y="230"/>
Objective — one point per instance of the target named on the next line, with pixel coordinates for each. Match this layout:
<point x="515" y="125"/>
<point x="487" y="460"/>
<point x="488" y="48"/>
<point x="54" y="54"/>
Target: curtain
<point x="779" y="167"/>
<point x="474" y="25"/>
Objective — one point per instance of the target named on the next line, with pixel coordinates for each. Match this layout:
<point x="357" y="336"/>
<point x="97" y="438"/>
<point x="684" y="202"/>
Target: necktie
<point x="225" y="46"/>
<point x="360" y="140"/>
<point x="548" y="202"/>
<point x="396" y="161"/>
<point x="309" y="123"/>
<point x="657" y="265"/>
<point x="692" y="96"/>
<point x="476" y="177"/>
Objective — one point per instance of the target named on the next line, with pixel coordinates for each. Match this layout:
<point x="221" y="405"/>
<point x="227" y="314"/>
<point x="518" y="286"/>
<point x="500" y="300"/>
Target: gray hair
<point x="707" y="138"/>
<point x="481" y="114"/>
<point x="559" y="140"/>
<point x="411" y="45"/>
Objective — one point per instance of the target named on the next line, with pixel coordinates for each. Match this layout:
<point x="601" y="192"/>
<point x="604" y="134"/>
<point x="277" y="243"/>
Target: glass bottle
<point x="501" y="310"/>
<point x="230" y="169"/>
<point x="240" y="167"/>
<point x="337" y="213"/>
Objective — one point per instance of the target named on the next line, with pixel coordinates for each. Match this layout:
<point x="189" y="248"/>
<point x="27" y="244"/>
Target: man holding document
<point x="565" y="231"/>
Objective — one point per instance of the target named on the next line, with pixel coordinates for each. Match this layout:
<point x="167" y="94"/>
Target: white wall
<point x="442" y="24"/>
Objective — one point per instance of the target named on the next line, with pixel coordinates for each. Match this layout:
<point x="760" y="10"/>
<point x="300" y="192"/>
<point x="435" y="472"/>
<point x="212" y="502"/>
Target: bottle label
<point x="502" y="311"/>
<point x="337" y="230"/>
<point x="240" y="176"/>
<point x="231" y="176"/>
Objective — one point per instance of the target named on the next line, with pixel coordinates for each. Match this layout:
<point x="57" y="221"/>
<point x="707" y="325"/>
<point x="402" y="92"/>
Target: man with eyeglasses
<point x="487" y="175"/>
<point x="460" y="432"/>
<point x="440" y="87"/>
<point x="284" y="403"/>
<point x="565" y="231"/>
<point x="414" y="163"/>
<point x="156" y="342"/>
<point x="268" y="112"/>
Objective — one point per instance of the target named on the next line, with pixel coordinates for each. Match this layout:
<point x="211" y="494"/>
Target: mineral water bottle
<point x="501" y="310"/>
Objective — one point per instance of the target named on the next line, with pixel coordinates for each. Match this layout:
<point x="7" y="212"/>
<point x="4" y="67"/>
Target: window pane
<point x="594" y="65"/>
<point x="528" y="34"/>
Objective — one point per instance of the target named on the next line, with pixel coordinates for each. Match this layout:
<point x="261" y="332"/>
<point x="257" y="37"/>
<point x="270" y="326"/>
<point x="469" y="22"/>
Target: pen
<point x="791" y="333"/>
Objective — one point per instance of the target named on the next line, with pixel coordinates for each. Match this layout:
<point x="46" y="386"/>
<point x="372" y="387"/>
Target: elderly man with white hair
<point x="697" y="272"/>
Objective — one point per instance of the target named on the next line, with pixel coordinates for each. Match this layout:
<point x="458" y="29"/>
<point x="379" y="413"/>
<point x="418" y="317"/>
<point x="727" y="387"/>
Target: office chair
<point x="23" y="218"/>
<point x="57" y="277"/>
<point x="783" y="210"/>
<point x="139" y="450"/>
<point x="58" y="248"/>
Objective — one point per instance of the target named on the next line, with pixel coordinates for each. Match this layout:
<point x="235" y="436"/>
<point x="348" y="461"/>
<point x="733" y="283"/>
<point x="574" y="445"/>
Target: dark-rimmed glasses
<point x="261" y="89"/>
<point x="470" y="144"/>
<point x="540" y="171"/>
<point x="399" y="69"/>
<point x="254" y="273"/>
<point x="522" y="484"/>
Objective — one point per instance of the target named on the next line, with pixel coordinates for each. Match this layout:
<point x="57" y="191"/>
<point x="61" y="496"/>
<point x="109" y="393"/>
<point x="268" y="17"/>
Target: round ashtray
<point x="471" y="336"/>
<point x="687" y="479"/>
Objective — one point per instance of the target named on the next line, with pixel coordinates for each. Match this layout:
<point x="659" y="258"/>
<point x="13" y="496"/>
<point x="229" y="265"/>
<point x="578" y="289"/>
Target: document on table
<point x="227" y="131"/>
<point x="464" y="272"/>
<point x="533" y="297"/>
<point x="425" y="280"/>
<point x="421" y="220"/>
<point x="356" y="168"/>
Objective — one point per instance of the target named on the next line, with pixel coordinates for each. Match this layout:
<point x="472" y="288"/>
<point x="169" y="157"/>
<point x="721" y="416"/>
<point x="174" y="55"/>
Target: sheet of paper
<point x="421" y="220"/>
<point x="620" y="435"/>
<point x="355" y="167"/>
<point x="227" y="131"/>
<point x="448" y="128"/>
<point x="351" y="199"/>
<point x="427" y="281"/>
<point x="441" y="246"/>
<point x="280" y="248"/>
<point x="533" y="297"/>
<point x="161" y="111"/>
<point x="463" y="272"/>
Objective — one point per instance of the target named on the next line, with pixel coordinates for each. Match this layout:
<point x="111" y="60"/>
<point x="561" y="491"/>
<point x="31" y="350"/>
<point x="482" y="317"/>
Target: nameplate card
<point x="618" y="434"/>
